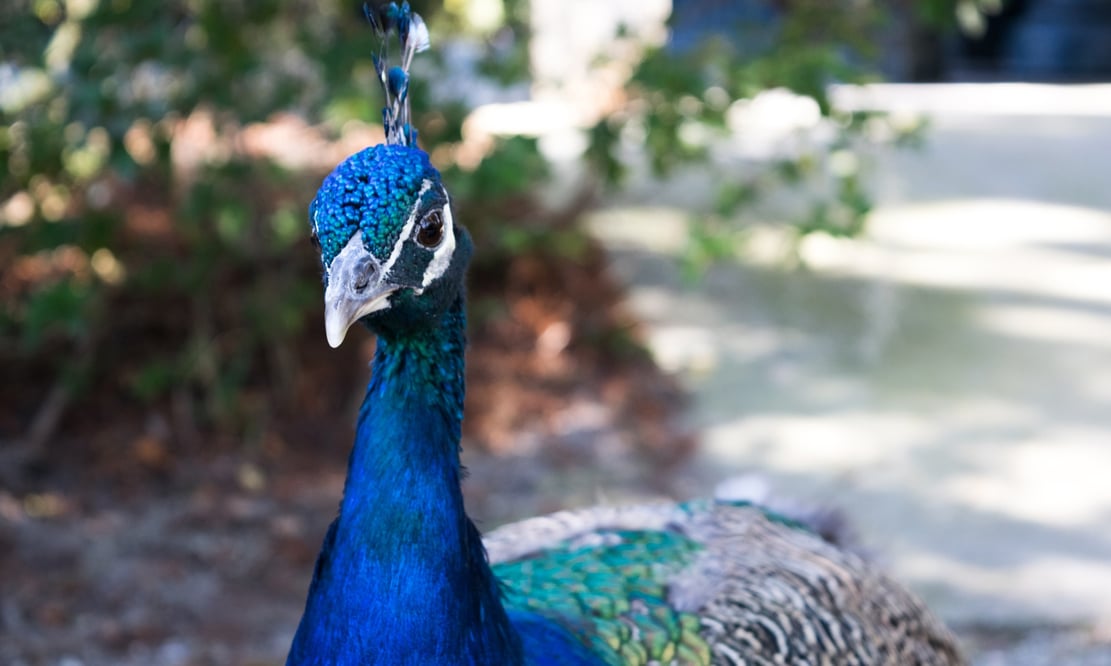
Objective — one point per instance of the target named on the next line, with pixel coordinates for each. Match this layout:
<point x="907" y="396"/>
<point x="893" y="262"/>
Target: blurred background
<point x="712" y="244"/>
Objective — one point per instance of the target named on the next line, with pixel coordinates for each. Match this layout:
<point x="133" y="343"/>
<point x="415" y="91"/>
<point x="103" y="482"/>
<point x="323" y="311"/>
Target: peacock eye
<point x="431" y="230"/>
<point x="315" y="240"/>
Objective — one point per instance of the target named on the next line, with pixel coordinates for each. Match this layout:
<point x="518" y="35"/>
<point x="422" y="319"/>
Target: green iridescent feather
<point x="613" y="590"/>
<point x="614" y="596"/>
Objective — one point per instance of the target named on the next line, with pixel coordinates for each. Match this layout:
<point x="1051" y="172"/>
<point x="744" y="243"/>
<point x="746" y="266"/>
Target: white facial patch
<point x="441" y="259"/>
<point x="407" y="230"/>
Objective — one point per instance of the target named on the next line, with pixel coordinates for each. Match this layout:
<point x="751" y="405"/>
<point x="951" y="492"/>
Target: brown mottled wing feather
<point x="772" y="594"/>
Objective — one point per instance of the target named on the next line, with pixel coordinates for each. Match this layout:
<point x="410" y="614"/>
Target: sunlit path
<point x="948" y="381"/>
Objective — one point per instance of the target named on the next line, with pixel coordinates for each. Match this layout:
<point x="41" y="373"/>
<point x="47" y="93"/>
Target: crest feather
<point x="412" y="37"/>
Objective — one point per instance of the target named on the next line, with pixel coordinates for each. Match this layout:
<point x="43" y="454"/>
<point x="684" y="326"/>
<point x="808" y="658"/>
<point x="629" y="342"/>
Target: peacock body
<point x="404" y="577"/>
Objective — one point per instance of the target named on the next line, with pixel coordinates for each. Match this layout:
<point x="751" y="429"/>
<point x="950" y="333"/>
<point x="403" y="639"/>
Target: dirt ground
<point x="209" y="564"/>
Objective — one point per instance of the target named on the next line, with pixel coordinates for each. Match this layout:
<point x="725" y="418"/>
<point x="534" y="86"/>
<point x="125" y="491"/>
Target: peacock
<point x="404" y="577"/>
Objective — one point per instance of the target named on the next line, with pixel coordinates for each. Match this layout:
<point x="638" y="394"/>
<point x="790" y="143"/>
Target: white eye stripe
<point x="406" y="230"/>
<point x="441" y="258"/>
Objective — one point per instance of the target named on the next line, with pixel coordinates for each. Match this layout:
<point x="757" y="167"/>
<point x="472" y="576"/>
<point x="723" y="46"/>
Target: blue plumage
<point x="403" y="576"/>
<point x="376" y="184"/>
<point x="398" y="83"/>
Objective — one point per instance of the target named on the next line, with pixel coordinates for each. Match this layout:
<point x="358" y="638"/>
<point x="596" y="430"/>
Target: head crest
<point x="412" y="35"/>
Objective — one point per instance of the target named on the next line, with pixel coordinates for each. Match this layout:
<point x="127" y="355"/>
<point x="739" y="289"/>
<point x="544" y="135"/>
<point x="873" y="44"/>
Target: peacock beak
<point x="355" y="289"/>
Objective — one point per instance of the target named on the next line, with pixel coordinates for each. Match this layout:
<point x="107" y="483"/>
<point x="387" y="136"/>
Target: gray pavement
<point x="947" y="381"/>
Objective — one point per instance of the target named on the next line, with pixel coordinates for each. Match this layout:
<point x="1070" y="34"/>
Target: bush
<point x="153" y="246"/>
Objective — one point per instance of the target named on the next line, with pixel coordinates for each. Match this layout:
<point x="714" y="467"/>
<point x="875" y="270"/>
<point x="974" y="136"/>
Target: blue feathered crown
<point x="412" y="35"/>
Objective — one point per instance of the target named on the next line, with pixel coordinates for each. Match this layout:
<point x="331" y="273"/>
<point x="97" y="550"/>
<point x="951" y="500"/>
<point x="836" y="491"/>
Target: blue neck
<point x="403" y="577"/>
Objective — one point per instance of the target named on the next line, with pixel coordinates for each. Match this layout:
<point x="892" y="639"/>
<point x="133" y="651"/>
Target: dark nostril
<point x="362" y="274"/>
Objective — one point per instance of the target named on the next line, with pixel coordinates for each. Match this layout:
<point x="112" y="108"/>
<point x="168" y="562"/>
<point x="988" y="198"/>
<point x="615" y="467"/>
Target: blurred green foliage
<point x="679" y="101"/>
<point x="152" y="250"/>
<point x="149" y="243"/>
<point x="967" y="15"/>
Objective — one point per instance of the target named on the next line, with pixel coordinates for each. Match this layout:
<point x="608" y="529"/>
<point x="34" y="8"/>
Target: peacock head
<point x="393" y="257"/>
